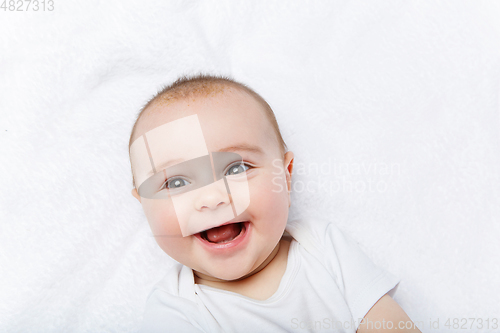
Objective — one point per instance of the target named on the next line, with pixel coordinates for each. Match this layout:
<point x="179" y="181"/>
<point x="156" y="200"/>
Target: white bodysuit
<point x="328" y="286"/>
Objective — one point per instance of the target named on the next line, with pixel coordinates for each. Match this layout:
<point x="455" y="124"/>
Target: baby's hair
<point x="204" y="85"/>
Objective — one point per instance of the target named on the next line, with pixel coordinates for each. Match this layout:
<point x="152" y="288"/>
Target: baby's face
<point x="215" y="161"/>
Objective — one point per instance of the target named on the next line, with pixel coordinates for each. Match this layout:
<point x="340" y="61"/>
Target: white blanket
<point x="394" y="105"/>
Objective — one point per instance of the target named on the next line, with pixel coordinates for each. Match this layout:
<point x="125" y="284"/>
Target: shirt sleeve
<point x="361" y="281"/>
<point x="169" y="313"/>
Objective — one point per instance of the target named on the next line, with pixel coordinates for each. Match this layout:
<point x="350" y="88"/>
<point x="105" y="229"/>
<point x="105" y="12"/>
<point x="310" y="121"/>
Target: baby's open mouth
<point x="224" y="233"/>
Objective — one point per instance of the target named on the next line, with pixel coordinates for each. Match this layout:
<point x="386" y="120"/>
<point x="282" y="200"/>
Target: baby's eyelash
<point x="234" y="167"/>
<point x="164" y="185"/>
<point x="239" y="163"/>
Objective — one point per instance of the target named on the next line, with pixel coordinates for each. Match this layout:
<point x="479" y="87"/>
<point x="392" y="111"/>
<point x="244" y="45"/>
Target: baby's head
<point x="212" y="174"/>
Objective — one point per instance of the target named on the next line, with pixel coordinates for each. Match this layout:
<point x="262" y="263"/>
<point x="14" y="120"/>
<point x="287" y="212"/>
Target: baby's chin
<point x="225" y="275"/>
<point x="238" y="270"/>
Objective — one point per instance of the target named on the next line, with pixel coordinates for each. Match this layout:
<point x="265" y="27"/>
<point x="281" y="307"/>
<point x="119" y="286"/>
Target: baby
<point x="213" y="176"/>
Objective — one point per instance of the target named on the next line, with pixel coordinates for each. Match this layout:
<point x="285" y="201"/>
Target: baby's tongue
<point x="223" y="233"/>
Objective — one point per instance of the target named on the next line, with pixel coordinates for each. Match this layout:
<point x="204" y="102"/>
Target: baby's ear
<point x="288" y="164"/>
<point x="135" y="194"/>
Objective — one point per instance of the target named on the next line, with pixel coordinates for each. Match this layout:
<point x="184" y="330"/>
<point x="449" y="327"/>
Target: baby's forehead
<point x="172" y="107"/>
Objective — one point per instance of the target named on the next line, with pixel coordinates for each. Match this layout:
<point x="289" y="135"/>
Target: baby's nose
<point x="212" y="196"/>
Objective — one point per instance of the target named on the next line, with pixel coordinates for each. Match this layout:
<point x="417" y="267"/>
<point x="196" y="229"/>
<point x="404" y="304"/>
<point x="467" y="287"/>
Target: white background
<point x="402" y="97"/>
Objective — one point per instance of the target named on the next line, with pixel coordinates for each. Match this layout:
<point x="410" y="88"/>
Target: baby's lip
<point x="235" y="220"/>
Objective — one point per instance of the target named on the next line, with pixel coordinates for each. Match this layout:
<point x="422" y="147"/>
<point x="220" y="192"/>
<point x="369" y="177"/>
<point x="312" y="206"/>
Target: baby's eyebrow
<point x="166" y="165"/>
<point x="239" y="147"/>
<point x="244" y="147"/>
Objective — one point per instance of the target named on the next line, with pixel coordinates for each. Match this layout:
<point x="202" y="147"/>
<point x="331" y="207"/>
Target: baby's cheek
<point x="269" y="196"/>
<point x="177" y="247"/>
<point x="161" y="217"/>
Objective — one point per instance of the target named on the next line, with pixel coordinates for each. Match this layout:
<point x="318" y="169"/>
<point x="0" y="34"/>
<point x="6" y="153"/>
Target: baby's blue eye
<point x="176" y="183"/>
<point x="237" y="169"/>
